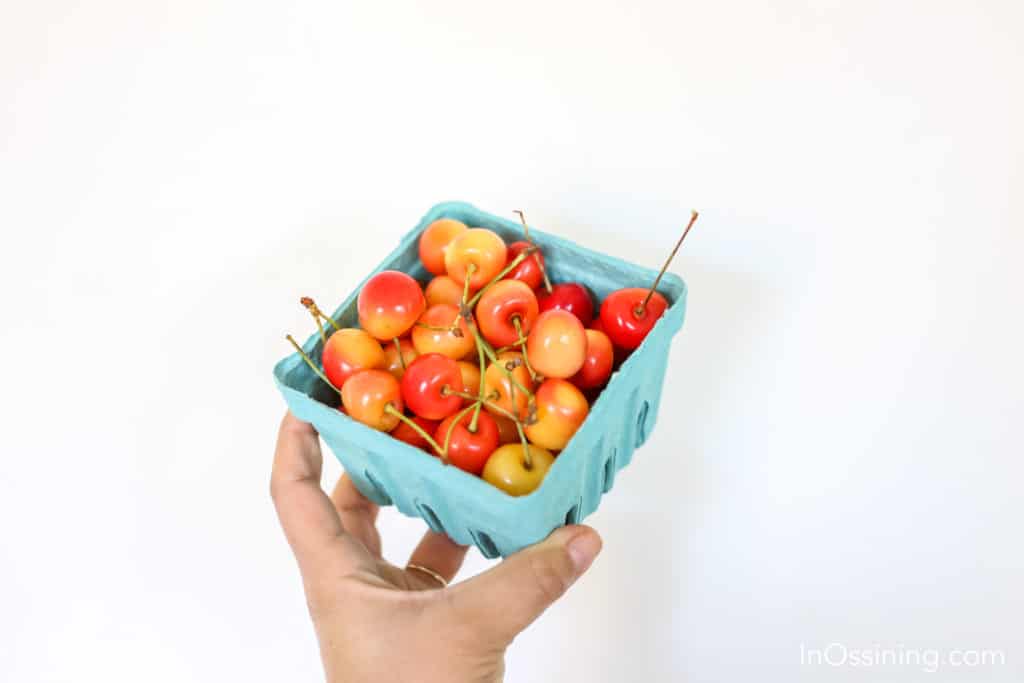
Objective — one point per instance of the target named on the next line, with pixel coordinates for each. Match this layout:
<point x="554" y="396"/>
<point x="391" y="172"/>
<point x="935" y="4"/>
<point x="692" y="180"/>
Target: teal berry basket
<point x="465" y="507"/>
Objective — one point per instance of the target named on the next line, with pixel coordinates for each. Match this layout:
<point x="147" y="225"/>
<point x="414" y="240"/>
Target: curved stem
<point x="391" y="410"/>
<point x="451" y="428"/>
<point x="311" y="364"/>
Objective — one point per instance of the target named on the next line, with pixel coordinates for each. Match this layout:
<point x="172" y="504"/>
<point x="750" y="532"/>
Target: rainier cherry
<point x="389" y="303"/>
<point x="347" y="351"/>
<point x="433" y="332"/>
<point x="561" y="409"/>
<point x="502" y="307"/>
<point x="435" y="239"/>
<point x="373" y="397"/>
<point x="557" y="345"/>
<point x="569" y="296"/>
<point x="531" y="271"/>
<point x="426" y="385"/>
<point x="477" y="255"/>
<point x="598" y="362"/>
<point x="470" y="377"/>
<point x="517" y="469"/>
<point x="468" y="450"/>
<point x="398" y="354"/>
<point x="510" y="396"/>
<point x="443" y="290"/>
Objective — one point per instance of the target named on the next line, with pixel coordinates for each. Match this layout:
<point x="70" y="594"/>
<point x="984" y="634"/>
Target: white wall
<point x="839" y="454"/>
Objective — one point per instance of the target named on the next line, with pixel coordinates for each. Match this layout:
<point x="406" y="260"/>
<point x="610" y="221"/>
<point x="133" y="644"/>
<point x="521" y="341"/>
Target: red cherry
<point x="468" y="450"/>
<point x="389" y="304"/>
<point x="500" y="305"/>
<point x="531" y="271"/>
<point x="569" y="296"/>
<point x="423" y="386"/>
<point x="403" y="432"/>
<point x="625" y="323"/>
<point x="597" y="364"/>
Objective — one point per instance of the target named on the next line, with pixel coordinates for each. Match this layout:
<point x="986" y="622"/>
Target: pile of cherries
<point x="491" y="368"/>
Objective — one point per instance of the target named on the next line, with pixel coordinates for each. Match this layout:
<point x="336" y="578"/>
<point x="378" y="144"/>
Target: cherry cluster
<point x="490" y="367"/>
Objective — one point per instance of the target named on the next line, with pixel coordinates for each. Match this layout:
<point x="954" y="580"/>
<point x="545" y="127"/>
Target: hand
<point x="377" y="622"/>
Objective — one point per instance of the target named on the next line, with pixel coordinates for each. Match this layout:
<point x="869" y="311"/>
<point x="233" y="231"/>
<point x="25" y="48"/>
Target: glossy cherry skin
<point x="444" y="290"/>
<point x="507" y="432"/>
<point x="530" y="272"/>
<point x="619" y="317"/>
<point x="561" y="409"/>
<point x="597" y="363"/>
<point x="389" y="303"/>
<point x="481" y="247"/>
<point x="403" y="432"/>
<point x="557" y="345"/>
<point x="569" y="296"/>
<point x="467" y="450"/>
<point x="423" y="386"/>
<point x="398" y="358"/>
<point x="496" y="383"/>
<point x="427" y="338"/>
<point x="499" y="305"/>
<point x="435" y="240"/>
<point x="470" y="378"/>
<point x="506" y="468"/>
<point x="366" y="395"/>
<point x="348" y="351"/>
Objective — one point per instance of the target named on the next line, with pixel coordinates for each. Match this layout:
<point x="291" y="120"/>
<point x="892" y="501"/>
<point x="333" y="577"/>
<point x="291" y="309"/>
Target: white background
<point x="838" y="457"/>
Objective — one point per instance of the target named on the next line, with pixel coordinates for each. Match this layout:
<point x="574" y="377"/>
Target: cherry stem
<point x="451" y="428"/>
<point x="527" y="458"/>
<point x="470" y="269"/>
<point x="391" y="410"/>
<point x="311" y="364"/>
<point x="526" y="359"/>
<point x="543" y="268"/>
<point x="523" y="255"/>
<point x="398" y="347"/>
<point x="487" y="401"/>
<point x="315" y="311"/>
<point x="508" y="373"/>
<point x="480" y="391"/>
<point x="642" y="308"/>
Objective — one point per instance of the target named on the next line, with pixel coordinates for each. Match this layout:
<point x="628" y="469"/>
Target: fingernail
<point x="583" y="548"/>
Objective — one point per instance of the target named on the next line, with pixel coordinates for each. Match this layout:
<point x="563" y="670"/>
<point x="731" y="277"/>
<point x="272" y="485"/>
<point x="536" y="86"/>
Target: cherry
<point x="597" y="363"/>
<point x="531" y="271"/>
<point x="624" y="320"/>
<point x="500" y="307"/>
<point x="389" y="303"/>
<point x="443" y="290"/>
<point x="427" y="383"/>
<point x="504" y="388"/>
<point x="507" y="431"/>
<point x="466" y="449"/>
<point x="470" y="377"/>
<point x="347" y="351"/>
<point x="374" y="398"/>
<point x="557" y="345"/>
<point x="435" y="239"/>
<point x="561" y="409"/>
<point x="398" y="354"/>
<point x="517" y="469"/>
<point x="569" y="296"/>
<point x="403" y="432"/>
<point x="441" y="329"/>
<point x="476" y="255"/>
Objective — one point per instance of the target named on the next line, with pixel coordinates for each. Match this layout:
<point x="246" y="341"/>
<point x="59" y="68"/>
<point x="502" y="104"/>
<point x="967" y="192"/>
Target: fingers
<point x="438" y="552"/>
<point x="504" y="600"/>
<point x="309" y="519"/>
<point x="358" y="514"/>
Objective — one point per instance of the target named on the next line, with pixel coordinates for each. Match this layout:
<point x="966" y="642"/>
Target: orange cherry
<point x="508" y="470"/>
<point x="509" y="396"/>
<point x="557" y="344"/>
<point x="397" y="358"/>
<point x="482" y="248"/>
<point x="433" y="333"/>
<point x="561" y="409"/>
<point x="502" y="306"/>
<point x="347" y="351"/>
<point x="597" y="363"/>
<point x="389" y="304"/>
<point x="470" y="377"/>
<point x="367" y="396"/>
<point x="435" y="239"/>
<point x="444" y="290"/>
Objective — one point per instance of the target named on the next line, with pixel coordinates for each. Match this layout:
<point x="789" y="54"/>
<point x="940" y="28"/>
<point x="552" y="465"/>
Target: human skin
<point x="378" y="622"/>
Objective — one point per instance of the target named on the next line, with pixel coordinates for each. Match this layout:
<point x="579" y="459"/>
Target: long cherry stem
<point x="642" y="308"/>
<point x="398" y="347"/>
<point x="526" y="359"/>
<point x="451" y="428"/>
<point x="391" y="410"/>
<point x="311" y="364"/>
<point x="316" y="312"/>
<point x="527" y="458"/>
<point x="540" y="264"/>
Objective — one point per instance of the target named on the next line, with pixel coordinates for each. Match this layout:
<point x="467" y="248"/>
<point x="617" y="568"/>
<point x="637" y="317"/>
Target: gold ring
<point x="429" y="572"/>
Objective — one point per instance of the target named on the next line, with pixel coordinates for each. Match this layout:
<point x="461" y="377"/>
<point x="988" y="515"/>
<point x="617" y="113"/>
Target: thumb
<point x="502" y="601"/>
